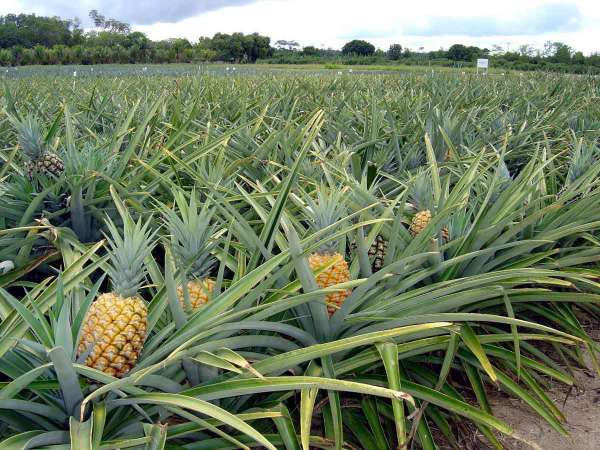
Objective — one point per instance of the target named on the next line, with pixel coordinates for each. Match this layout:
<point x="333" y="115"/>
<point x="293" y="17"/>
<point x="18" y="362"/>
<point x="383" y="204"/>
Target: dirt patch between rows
<point x="581" y="406"/>
<point x="579" y="403"/>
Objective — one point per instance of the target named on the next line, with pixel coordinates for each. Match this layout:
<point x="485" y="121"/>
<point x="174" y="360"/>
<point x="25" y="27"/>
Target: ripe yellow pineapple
<point x="40" y="159"/>
<point x="114" y="329"/>
<point x="420" y="220"/>
<point x="199" y="292"/>
<point x="191" y="231"/>
<point x="325" y="211"/>
<point x="337" y="273"/>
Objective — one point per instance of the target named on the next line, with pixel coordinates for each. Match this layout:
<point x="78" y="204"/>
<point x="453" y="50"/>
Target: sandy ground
<point x="581" y="406"/>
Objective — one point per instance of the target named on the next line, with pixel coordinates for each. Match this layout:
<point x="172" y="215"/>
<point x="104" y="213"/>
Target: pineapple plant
<point x="422" y="200"/>
<point x="581" y="160"/>
<point x="328" y="208"/>
<point x="114" y="329"/>
<point x="190" y="229"/>
<point x="40" y="160"/>
<point x="364" y="197"/>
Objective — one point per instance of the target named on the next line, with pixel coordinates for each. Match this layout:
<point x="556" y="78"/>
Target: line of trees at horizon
<point x="555" y="56"/>
<point x="30" y="39"/>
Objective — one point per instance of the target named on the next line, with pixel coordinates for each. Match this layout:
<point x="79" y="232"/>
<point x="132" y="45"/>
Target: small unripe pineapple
<point x="377" y="252"/>
<point x="40" y="159"/>
<point x="199" y="292"/>
<point x="419" y="222"/>
<point x="337" y="273"/>
<point x="115" y="329"/>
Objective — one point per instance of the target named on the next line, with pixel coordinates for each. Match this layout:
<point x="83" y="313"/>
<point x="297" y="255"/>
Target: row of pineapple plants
<point x="281" y="278"/>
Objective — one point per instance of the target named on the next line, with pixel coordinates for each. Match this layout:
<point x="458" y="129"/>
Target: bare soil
<point x="581" y="406"/>
<point x="579" y="403"/>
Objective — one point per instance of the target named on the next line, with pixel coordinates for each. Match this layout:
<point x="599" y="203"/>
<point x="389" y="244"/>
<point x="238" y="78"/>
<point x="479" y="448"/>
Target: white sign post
<point x="483" y="63"/>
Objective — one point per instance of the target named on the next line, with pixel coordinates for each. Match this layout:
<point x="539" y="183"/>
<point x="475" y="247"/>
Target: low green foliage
<point x="505" y="269"/>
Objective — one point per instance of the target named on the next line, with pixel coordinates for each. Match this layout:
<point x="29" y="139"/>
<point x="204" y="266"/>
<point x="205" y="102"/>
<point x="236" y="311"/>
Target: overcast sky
<point x="330" y="23"/>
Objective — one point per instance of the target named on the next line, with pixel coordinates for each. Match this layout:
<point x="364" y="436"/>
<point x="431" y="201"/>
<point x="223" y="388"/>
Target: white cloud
<point x="10" y="6"/>
<point x="330" y="23"/>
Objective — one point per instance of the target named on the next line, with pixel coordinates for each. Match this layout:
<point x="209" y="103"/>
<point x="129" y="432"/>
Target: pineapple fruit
<point x="40" y="159"/>
<point x="191" y="231"/>
<point x="114" y="329"/>
<point x="325" y="211"/>
<point x="419" y="222"/>
<point x="364" y="197"/>
<point x="376" y="252"/>
<point x="422" y="199"/>
<point x="199" y="292"/>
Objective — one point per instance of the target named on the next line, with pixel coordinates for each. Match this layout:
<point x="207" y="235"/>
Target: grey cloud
<point x="133" y="11"/>
<point x="557" y="17"/>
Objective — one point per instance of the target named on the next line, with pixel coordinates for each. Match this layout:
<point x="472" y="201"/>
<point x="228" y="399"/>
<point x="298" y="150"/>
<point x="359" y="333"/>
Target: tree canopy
<point x="394" y="52"/>
<point x="31" y="39"/>
<point x="358" y="47"/>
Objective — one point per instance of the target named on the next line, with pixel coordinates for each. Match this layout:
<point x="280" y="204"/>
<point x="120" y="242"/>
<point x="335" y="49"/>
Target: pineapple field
<point x="294" y="260"/>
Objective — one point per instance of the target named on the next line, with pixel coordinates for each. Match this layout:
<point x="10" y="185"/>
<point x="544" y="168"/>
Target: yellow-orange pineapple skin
<point x="115" y="328"/>
<point x="199" y="292"/>
<point x="337" y="273"/>
<point x="419" y="222"/>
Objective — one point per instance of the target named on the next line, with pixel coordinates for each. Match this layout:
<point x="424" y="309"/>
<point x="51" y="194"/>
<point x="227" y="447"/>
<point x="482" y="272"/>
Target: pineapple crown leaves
<point x="421" y="194"/>
<point x="363" y="195"/>
<point x="128" y="250"/>
<point x="29" y="136"/>
<point x="329" y="206"/>
<point x="582" y="158"/>
<point x="191" y="231"/>
<point x="502" y="180"/>
<point x="89" y="159"/>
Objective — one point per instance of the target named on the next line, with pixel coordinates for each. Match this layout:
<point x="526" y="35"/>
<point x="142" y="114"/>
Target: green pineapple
<point x="40" y="160"/>
<point x="364" y="197"/>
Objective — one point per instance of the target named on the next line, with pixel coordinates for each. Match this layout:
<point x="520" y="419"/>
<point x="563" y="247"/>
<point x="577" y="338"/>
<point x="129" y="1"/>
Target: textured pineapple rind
<point x="419" y="222"/>
<point x="377" y="252"/>
<point x="115" y="330"/>
<point x="46" y="164"/>
<point x="199" y="292"/>
<point x="335" y="274"/>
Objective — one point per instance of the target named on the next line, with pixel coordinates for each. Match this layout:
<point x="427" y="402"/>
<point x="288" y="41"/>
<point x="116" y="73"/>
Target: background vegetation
<point x="29" y="39"/>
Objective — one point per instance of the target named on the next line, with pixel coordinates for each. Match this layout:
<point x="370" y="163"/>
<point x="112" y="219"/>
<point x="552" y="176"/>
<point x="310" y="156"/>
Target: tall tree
<point x="97" y="18"/>
<point x="394" y="52"/>
<point x="358" y="47"/>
